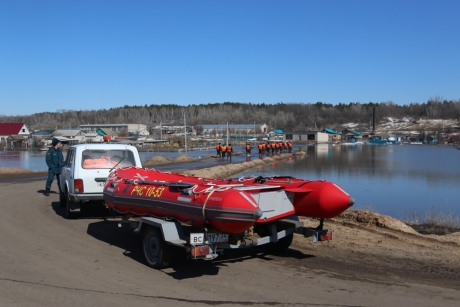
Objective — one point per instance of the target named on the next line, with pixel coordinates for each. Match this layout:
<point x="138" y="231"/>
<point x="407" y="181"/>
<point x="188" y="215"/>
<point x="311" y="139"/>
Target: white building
<point x="307" y="136"/>
<point x="71" y="135"/>
<point x="133" y="129"/>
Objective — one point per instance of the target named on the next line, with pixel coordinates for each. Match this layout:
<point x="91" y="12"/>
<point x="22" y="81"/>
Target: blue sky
<point x="87" y="55"/>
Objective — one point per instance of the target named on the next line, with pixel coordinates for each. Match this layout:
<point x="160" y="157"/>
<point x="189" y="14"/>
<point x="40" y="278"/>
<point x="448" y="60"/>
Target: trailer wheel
<point x="156" y="251"/>
<point x="283" y="244"/>
<point x="68" y="203"/>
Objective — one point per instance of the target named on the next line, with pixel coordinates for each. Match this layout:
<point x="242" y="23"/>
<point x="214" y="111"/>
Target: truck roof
<point x="103" y="146"/>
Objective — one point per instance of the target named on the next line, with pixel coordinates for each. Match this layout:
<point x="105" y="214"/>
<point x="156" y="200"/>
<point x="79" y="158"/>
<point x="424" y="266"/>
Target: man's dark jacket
<point x="54" y="160"/>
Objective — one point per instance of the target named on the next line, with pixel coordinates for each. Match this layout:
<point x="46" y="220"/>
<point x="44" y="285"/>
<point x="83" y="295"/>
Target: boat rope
<point x="243" y="179"/>
<point x="204" y="205"/>
<point x="210" y="189"/>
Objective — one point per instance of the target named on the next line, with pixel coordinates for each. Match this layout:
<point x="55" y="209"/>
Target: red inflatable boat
<point x="311" y="198"/>
<point x="227" y="205"/>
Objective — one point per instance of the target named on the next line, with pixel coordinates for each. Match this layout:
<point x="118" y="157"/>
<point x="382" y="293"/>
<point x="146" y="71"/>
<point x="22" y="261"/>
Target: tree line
<point x="286" y="116"/>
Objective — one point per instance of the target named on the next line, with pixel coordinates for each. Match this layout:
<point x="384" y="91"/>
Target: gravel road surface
<point x="47" y="260"/>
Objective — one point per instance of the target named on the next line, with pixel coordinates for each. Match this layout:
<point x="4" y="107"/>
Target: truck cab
<point x="86" y="169"/>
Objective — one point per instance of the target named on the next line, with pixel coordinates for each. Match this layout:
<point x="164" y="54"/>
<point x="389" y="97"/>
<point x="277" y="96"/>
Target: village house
<point x="93" y="137"/>
<point x="234" y="129"/>
<point x="14" y="135"/>
<point x="307" y="136"/>
<point x="71" y="136"/>
<point x="107" y="134"/>
<point x="351" y="135"/>
<point x="7" y="129"/>
<point x="334" y="136"/>
<point x="131" y="129"/>
<point x="40" y="138"/>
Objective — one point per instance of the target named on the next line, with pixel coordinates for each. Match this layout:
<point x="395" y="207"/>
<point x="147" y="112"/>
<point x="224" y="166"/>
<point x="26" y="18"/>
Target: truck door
<point x="67" y="170"/>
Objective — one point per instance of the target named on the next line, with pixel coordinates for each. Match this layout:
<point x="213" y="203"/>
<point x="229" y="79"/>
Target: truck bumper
<point x="83" y="197"/>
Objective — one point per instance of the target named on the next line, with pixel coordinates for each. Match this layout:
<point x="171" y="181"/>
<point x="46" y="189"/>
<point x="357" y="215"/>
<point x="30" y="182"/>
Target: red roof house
<point x="7" y="129"/>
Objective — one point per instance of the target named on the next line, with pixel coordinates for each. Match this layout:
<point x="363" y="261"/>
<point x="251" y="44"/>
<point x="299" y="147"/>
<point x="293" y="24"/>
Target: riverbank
<point x="16" y="173"/>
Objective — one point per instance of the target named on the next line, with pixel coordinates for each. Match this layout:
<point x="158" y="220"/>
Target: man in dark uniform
<point x="55" y="161"/>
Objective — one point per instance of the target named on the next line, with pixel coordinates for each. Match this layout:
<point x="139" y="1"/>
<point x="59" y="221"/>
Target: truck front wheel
<point x="156" y="251"/>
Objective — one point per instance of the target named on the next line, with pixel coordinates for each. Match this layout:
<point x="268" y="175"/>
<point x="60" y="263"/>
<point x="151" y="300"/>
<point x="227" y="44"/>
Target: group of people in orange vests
<point x="274" y="147"/>
<point x="224" y="151"/>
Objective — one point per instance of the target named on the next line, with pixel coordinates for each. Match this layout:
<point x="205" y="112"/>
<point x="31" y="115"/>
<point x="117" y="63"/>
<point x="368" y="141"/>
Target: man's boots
<point x="47" y="192"/>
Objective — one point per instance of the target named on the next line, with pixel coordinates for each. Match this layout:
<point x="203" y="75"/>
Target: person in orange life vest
<point x="218" y="149"/>
<point x="224" y="150"/>
<point x="281" y="146"/>
<point x="260" y="148"/>
<point x="248" y="149"/>
<point x="263" y="147"/>
<point x="290" y="146"/>
<point x="229" y="152"/>
<point x="267" y="146"/>
<point x="277" y="147"/>
<point x="273" y="147"/>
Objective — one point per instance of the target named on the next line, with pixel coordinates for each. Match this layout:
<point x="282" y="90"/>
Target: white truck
<point x="86" y="169"/>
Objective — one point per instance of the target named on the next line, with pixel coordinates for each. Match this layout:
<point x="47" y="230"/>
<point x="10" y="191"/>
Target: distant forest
<point x="286" y="116"/>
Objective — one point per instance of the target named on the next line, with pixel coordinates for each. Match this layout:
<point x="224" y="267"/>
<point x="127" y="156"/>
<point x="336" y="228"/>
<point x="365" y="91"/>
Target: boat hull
<point x="226" y="210"/>
<point x="228" y="205"/>
<point x="311" y="198"/>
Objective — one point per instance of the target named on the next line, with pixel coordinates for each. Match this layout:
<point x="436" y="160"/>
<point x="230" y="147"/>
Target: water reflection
<point x="391" y="179"/>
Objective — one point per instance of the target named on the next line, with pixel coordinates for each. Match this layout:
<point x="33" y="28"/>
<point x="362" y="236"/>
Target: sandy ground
<point x="373" y="260"/>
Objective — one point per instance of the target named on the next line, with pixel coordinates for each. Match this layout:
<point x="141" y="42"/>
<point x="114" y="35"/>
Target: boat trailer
<point x="161" y="235"/>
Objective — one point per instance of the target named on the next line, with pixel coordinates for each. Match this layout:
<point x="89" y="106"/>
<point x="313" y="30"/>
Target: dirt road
<point x="47" y="260"/>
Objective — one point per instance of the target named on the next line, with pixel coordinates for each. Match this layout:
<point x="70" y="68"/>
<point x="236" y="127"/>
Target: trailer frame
<point x="161" y="234"/>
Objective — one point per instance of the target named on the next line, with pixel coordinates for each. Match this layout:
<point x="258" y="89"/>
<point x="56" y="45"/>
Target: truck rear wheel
<point x="62" y="199"/>
<point x="156" y="251"/>
<point x="68" y="214"/>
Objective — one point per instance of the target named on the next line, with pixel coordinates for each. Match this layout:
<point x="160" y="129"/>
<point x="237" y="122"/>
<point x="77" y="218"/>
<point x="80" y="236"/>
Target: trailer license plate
<point x="217" y="237"/>
<point x="198" y="238"/>
<point x="100" y="184"/>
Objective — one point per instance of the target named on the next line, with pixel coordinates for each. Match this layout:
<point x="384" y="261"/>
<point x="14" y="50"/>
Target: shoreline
<point x="16" y="173"/>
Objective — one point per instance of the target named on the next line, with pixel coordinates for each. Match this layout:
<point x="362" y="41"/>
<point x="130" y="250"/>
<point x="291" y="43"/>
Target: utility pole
<point x="185" y="134"/>
<point x="227" y="134"/>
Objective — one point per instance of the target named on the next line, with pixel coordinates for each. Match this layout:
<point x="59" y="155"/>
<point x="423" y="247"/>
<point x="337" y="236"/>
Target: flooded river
<point x="395" y="179"/>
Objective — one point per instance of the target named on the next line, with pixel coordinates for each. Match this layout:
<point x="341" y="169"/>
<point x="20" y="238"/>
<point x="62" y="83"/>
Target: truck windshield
<point x="107" y="158"/>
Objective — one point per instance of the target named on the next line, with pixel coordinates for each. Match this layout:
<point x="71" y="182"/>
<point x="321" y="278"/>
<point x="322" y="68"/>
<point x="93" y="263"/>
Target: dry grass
<point x="430" y="222"/>
<point x="433" y="222"/>
<point x="14" y="170"/>
<point x="367" y="207"/>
